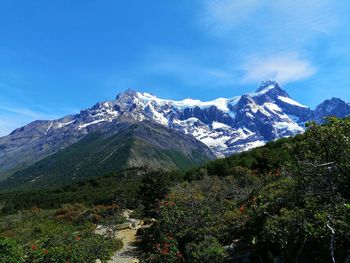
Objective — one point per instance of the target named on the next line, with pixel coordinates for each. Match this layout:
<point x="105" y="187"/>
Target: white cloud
<point x="12" y="118"/>
<point x="25" y="112"/>
<point x="290" y="16"/>
<point x="283" y="68"/>
<point x="222" y="15"/>
<point x="7" y="125"/>
<point x="189" y="69"/>
<point x="266" y="38"/>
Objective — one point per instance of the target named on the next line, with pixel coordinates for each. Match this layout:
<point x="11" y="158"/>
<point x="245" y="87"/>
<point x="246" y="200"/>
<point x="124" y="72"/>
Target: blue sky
<point x="60" y="56"/>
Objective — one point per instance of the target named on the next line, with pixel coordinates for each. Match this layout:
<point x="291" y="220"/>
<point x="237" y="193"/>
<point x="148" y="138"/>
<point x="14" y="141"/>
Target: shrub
<point x="10" y="252"/>
<point x="207" y="251"/>
<point x="71" y="247"/>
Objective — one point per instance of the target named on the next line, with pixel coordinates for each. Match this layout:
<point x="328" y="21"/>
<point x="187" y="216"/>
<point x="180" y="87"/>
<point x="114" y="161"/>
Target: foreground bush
<point x="286" y="202"/>
<point x="64" y="235"/>
<point x="10" y="251"/>
<point x="71" y="248"/>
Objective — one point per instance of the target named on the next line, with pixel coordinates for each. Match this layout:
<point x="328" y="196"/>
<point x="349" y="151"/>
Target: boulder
<point x="134" y="222"/>
<point x="126" y="225"/>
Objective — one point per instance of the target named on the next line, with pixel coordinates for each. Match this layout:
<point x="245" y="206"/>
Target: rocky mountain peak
<point x="268" y="85"/>
<point x="270" y="90"/>
<point x="332" y="107"/>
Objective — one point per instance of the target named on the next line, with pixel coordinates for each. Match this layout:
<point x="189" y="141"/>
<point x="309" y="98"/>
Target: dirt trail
<point x="129" y="252"/>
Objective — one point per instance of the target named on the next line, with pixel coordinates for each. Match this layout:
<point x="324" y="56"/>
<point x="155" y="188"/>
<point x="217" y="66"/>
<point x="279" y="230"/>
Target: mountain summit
<point x="268" y="85"/>
<point x="225" y="125"/>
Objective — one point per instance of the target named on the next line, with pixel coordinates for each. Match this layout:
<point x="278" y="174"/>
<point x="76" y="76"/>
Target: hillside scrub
<point x="63" y="235"/>
<point x="286" y="201"/>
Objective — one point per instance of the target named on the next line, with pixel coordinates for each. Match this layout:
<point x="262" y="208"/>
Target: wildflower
<point x="242" y="208"/>
<point x="46" y="251"/>
<point x="77" y="238"/>
<point x="165" y="251"/>
<point x="172" y="203"/>
<point x="278" y="173"/>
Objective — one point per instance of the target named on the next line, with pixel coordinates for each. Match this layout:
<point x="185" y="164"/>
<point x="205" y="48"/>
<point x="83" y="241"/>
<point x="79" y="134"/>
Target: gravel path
<point x="129" y="252"/>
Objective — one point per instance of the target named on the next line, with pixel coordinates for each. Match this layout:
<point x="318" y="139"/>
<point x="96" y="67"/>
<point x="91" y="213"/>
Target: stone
<point x="124" y="226"/>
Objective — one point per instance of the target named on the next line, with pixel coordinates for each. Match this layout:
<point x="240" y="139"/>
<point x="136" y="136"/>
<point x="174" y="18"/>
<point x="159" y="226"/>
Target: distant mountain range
<point x="139" y="129"/>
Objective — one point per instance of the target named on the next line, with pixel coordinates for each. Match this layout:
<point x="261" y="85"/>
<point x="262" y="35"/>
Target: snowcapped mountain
<point x="225" y="125"/>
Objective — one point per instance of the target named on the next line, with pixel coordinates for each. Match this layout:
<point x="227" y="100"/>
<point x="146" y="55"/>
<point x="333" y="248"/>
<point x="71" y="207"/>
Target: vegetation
<point x="288" y="201"/>
<point x="118" y="187"/>
<point x="62" y="235"/>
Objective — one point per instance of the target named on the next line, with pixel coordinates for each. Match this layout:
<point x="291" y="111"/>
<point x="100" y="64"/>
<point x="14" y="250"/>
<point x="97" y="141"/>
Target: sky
<point x="60" y="56"/>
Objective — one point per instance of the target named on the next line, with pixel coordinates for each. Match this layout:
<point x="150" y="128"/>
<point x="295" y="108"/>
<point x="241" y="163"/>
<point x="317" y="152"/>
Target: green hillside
<point x="139" y="145"/>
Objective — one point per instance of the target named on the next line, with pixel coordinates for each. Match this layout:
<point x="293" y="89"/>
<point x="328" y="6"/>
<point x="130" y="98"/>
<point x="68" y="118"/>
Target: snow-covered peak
<point x="220" y="103"/>
<point x="127" y="93"/>
<point x="267" y="85"/>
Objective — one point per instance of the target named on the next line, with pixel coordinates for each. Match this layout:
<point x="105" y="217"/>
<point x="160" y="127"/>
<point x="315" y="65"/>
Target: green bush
<point x="10" y="251"/>
<point x="207" y="251"/>
<point x="69" y="247"/>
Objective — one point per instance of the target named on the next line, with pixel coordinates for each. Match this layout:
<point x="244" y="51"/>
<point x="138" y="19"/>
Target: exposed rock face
<point x="333" y="107"/>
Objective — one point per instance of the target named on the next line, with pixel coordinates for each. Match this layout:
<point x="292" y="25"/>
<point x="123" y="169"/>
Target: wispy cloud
<point x="14" y="117"/>
<point x="283" y="68"/>
<point x="7" y="125"/>
<point x="185" y="69"/>
<point x="221" y="16"/>
<point x="26" y="112"/>
<point x="225" y="16"/>
<point x="189" y="69"/>
<point x="267" y="37"/>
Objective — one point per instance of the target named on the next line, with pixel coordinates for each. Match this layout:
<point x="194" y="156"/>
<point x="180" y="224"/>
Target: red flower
<point x="165" y="251"/>
<point x="34" y="247"/>
<point x="242" y="208"/>
<point x="172" y="203"/>
<point x="46" y="251"/>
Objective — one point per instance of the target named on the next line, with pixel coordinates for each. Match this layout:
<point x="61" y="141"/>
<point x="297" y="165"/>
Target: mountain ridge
<point x="225" y="125"/>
